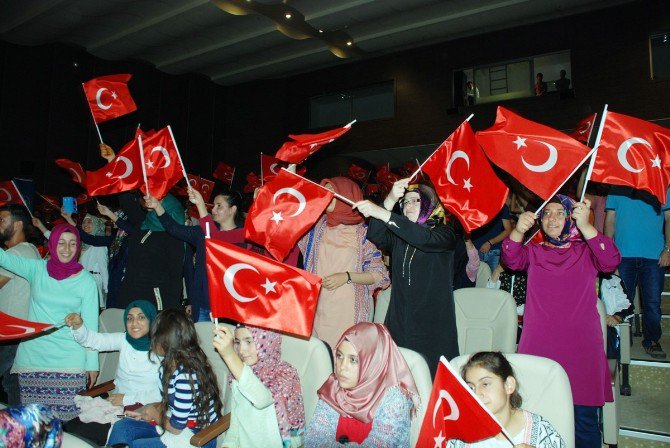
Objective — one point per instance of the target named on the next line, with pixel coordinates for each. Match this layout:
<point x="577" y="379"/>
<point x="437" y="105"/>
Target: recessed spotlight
<point x="288" y="15"/>
<point x="349" y="43"/>
<point x="320" y="31"/>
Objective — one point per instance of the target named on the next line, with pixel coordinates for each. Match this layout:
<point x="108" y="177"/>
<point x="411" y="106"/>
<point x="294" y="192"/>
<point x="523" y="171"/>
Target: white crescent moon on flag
<point x="455" y="413"/>
<point x="205" y="187"/>
<point x="9" y="195"/>
<point x="129" y="166"/>
<point x="76" y="174"/>
<point x="546" y="166"/>
<point x="586" y="127"/>
<point x="229" y="278"/>
<point x="165" y="153"/>
<point x="456" y="155"/>
<point x="272" y="168"/>
<point x="26" y="330"/>
<point x="295" y="193"/>
<point x="191" y="182"/>
<point x="98" y="99"/>
<point x="623" y="151"/>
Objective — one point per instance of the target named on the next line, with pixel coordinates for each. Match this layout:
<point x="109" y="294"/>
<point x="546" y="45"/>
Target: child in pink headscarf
<point x="267" y="408"/>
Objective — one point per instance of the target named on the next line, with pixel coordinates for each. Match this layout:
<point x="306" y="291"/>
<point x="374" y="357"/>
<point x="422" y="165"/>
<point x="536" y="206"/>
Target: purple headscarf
<point x="570" y="232"/>
<point x="56" y="268"/>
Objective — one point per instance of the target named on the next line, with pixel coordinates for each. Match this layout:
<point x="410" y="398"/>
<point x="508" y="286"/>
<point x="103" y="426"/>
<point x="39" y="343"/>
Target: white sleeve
<point x="102" y="342"/>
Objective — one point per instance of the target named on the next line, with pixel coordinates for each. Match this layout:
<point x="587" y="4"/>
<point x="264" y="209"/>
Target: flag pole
<point x="183" y="169"/>
<point x="438" y="147"/>
<point x="232" y="176"/>
<point x="144" y="168"/>
<point x="22" y="200"/>
<point x="215" y="320"/>
<point x="261" y="169"/>
<point x="92" y="116"/>
<point x="47" y="200"/>
<point x="589" y="172"/>
<point x="337" y="195"/>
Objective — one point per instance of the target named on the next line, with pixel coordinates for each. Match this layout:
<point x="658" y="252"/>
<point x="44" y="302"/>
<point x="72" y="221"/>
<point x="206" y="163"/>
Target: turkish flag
<point x="283" y="211"/>
<point x="224" y="173"/>
<point x="409" y="168"/>
<point x="74" y="168"/>
<point x="256" y="290"/>
<point x="270" y="167"/>
<point x="584" y="128"/>
<point x="205" y="188"/>
<point x="162" y="162"/>
<point x="304" y="145"/>
<point x="635" y="153"/>
<point x="385" y="177"/>
<point x="9" y="193"/>
<point x="454" y="412"/>
<point x="539" y="157"/>
<point x="82" y="199"/>
<point x="124" y="173"/>
<point x="463" y="179"/>
<point x="50" y="202"/>
<point x="109" y="97"/>
<point x="253" y="182"/>
<point x="358" y="174"/>
<point x="12" y="328"/>
<point x="202" y="185"/>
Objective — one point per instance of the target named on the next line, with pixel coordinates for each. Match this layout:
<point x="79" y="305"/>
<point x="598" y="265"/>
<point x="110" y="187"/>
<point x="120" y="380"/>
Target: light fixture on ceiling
<point x="288" y="15"/>
<point x="350" y="43"/>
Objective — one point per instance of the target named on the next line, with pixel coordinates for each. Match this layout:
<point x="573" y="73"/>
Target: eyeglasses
<point x="413" y="201"/>
<point x="558" y="213"/>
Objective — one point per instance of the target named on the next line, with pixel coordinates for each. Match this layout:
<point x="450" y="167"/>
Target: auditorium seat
<point x="544" y="388"/>
<point x="483" y="275"/>
<point x="486" y="320"/>
<point x="382" y="305"/>
<point x="110" y="321"/>
<point x="419" y="368"/>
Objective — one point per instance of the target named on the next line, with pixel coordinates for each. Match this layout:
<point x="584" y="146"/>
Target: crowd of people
<point x="165" y="386"/>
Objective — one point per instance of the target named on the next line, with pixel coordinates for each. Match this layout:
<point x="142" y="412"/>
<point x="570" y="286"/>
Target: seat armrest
<point x="98" y="390"/>
<point x="211" y="432"/>
<point x="624" y="342"/>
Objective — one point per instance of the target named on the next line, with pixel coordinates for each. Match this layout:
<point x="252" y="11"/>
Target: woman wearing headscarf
<point x="51" y="366"/>
<point x="154" y="266"/>
<point x="337" y="249"/>
<point x="136" y="381"/>
<point x="267" y="409"/>
<point x="370" y="398"/>
<point x="561" y="321"/>
<point x="94" y="258"/>
<point x="421" y="314"/>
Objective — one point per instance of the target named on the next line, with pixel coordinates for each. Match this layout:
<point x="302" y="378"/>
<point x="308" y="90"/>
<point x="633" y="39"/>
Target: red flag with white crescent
<point x="358" y="174"/>
<point x="454" y="412"/>
<point x="124" y="173"/>
<point x="9" y="193"/>
<point x="635" y="153"/>
<point x="12" y="328"/>
<point x="224" y="173"/>
<point x="162" y="162"/>
<point x="539" y="157"/>
<point x="464" y="180"/>
<point x="109" y="97"/>
<point x="74" y="168"/>
<point x="259" y="291"/>
<point x="270" y="167"/>
<point x="584" y="128"/>
<point x="283" y="211"/>
<point x="304" y="145"/>
<point x="253" y="182"/>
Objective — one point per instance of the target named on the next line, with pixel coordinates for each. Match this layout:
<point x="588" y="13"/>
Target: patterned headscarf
<point x="281" y="378"/>
<point x="570" y="232"/>
<point x="98" y="227"/>
<point x="343" y="213"/>
<point x="56" y="268"/>
<point x="381" y="365"/>
<point x="431" y="211"/>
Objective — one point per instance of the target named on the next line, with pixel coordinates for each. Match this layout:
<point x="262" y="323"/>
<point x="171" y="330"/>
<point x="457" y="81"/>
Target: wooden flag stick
<point x="92" y="116"/>
<point x="589" y="172"/>
<point x="144" y="168"/>
<point x="183" y="168"/>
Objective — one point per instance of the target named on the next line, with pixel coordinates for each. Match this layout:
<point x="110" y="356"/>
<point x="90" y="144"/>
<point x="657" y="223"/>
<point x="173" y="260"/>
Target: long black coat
<point x="421" y="314"/>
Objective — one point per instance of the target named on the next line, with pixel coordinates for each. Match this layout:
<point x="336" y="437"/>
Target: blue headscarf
<point x="570" y="232"/>
<point x="142" y="344"/>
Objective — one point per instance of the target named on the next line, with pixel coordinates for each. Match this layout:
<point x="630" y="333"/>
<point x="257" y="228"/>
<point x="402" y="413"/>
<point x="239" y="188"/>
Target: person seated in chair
<point x="491" y="377"/>
<point x="136" y="381"/>
<point x="371" y="396"/>
<point x="267" y="406"/>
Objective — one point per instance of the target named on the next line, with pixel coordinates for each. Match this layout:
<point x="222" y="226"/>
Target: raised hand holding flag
<point x="259" y="291"/>
<point x="124" y="173"/>
<point x="162" y="163"/>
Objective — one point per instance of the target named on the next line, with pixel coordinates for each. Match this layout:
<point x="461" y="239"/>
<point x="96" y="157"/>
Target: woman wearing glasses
<point x="561" y="321"/>
<point x="421" y="313"/>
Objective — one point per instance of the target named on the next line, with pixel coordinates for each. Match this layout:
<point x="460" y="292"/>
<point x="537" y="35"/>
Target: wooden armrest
<point x="211" y="432"/>
<point x="98" y="390"/>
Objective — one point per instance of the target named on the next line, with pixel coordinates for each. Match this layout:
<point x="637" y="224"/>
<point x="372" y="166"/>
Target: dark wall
<point x="44" y="116"/>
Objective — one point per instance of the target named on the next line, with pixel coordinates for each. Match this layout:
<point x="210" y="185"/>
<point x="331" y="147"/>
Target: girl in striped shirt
<point x="190" y="397"/>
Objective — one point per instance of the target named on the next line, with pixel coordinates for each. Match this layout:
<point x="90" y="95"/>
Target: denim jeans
<point x="650" y="276"/>
<point x="139" y="434"/>
<point x="492" y="258"/>
<point x="587" y="427"/>
<point x="203" y="315"/>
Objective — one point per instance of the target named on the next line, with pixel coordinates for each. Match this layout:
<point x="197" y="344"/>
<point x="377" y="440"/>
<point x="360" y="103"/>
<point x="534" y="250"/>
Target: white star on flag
<point x="108" y="174"/>
<point x="276" y="217"/>
<point x="656" y="163"/>
<point x="467" y="185"/>
<point x="149" y="164"/>
<point x="269" y="286"/>
<point x="519" y="142"/>
<point x="439" y="440"/>
<point x="114" y="95"/>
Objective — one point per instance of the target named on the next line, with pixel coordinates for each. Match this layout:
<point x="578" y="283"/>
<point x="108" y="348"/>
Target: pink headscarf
<point x="281" y="378"/>
<point x="381" y="365"/>
<point x="56" y="268"/>
<point x="343" y="214"/>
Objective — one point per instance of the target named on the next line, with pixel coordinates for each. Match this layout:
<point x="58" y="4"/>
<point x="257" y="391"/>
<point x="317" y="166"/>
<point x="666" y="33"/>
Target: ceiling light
<point x="349" y="43"/>
<point x="288" y="15"/>
<point x="320" y="31"/>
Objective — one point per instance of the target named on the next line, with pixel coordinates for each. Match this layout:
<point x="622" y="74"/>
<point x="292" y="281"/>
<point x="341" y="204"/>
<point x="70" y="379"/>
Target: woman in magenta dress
<point x="561" y="320"/>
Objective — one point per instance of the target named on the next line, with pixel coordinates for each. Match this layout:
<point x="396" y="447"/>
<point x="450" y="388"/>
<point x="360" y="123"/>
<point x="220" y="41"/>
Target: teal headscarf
<point x="172" y="207"/>
<point x="142" y="344"/>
